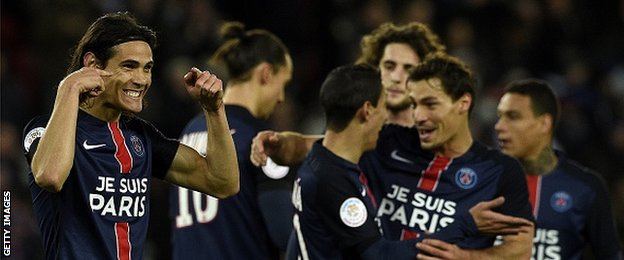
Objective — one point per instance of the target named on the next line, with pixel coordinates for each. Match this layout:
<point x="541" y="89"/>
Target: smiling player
<point x="91" y="160"/>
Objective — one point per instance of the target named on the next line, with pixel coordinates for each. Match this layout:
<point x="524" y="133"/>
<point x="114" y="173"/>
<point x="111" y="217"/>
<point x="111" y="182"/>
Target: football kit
<point x="102" y="211"/>
<point x="256" y="222"/>
<point x="421" y="192"/>
<point x="335" y="214"/>
<point x="572" y="209"/>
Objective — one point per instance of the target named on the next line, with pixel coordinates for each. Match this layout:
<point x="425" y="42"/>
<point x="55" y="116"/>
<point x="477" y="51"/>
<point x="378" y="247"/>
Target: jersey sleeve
<point x="513" y="186"/>
<point x="342" y="209"/>
<point x="33" y="131"/>
<point x="601" y="230"/>
<point x="163" y="150"/>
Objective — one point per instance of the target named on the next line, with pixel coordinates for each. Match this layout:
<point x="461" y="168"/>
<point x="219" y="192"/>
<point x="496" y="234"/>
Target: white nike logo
<point x="395" y="155"/>
<point x="91" y="146"/>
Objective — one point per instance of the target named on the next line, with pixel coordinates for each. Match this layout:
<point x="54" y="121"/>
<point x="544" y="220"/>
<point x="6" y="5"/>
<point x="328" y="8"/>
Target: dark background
<point x="577" y="45"/>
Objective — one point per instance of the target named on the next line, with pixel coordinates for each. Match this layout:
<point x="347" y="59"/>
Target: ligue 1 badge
<point x="466" y="178"/>
<point x="353" y="212"/>
<point x="32" y="136"/>
<point x="561" y="201"/>
<point x="274" y="170"/>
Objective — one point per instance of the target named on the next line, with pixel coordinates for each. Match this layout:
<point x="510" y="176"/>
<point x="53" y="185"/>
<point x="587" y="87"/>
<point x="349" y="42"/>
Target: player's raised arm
<point x="53" y="159"/>
<point x="217" y="173"/>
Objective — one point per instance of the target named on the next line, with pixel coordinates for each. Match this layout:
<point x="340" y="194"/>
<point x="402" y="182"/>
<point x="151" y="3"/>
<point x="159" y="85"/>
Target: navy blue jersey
<point x="572" y="209"/>
<point x="421" y="192"/>
<point x="102" y="211"/>
<point x="335" y="214"/>
<point x="254" y="223"/>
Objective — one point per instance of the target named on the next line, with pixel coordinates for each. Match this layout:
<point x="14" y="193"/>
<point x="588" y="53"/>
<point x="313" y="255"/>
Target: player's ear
<point x="89" y="60"/>
<point x="464" y="103"/>
<point x="266" y="72"/>
<point x="365" y="111"/>
<point x="546" y="123"/>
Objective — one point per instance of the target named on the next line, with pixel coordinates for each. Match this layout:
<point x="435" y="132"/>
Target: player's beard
<point x="406" y="103"/>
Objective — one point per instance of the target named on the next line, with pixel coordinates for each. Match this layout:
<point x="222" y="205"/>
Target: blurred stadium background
<point x="576" y="45"/>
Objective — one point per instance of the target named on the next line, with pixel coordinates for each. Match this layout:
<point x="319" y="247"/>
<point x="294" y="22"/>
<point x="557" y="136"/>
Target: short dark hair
<point x="457" y="78"/>
<point x="417" y="35"/>
<point x="543" y="98"/>
<point x="107" y="32"/>
<point x="244" y="50"/>
<point x="345" y="90"/>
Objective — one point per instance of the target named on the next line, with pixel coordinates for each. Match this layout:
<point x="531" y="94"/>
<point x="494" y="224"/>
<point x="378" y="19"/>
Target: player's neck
<point x="402" y="117"/>
<point x="346" y="144"/>
<point x="242" y="95"/>
<point x="543" y="163"/>
<point x="101" y="112"/>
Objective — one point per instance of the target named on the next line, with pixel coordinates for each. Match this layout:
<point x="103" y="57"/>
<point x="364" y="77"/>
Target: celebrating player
<point x="91" y="160"/>
<point x="257" y="221"/>
<point x="570" y="202"/>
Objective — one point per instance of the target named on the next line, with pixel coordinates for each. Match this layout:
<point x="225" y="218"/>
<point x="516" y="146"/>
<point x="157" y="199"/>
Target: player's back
<point x="233" y="228"/>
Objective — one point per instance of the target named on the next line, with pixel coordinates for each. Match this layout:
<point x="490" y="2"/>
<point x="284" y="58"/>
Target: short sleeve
<point x="33" y="131"/>
<point x="163" y="150"/>
<point x="343" y="209"/>
<point x="601" y="230"/>
<point x="513" y="186"/>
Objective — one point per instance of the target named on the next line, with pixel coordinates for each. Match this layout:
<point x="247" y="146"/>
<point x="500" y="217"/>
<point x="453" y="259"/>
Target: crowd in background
<point x="576" y="45"/>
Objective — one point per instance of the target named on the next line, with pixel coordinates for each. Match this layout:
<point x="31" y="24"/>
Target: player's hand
<point x="490" y="222"/>
<point x="262" y="147"/>
<point x="88" y="80"/>
<point x="205" y="88"/>
<point x="433" y="249"/>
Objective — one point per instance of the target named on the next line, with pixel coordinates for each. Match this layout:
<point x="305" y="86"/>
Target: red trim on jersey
<point x="122" y="235"/>
<point x="407" y="234"/>
<point x="369" y="192"/>
<point x="534" y="183"/>
<point x="431" y="176"/>
<point x="122" y="154"/>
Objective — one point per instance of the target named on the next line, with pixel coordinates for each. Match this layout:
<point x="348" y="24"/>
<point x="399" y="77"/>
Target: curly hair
<point x="414" y="34"/>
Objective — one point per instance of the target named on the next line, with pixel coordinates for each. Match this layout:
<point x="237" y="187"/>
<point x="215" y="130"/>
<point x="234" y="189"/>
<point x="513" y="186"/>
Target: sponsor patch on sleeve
<point x="353" y="212"/>
<point x="32" y="136"/>
<point x="274" y="170"/>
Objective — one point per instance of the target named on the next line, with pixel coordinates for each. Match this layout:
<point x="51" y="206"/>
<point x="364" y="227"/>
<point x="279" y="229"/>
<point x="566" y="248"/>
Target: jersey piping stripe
<point x="369" y="192"/>
<point x="534" y="184"/>
<point x="122" y="154"/>
<point x="122" y="235"/>
<point x="302" y="246"/>
<point x="430" y="177"/>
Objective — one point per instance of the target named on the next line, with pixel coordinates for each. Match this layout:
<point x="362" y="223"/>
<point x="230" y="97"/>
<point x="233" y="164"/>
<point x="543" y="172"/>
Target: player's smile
<point x="426" y="134"/>
<point x="134" y="94"/>
<point x="504" y="143"/>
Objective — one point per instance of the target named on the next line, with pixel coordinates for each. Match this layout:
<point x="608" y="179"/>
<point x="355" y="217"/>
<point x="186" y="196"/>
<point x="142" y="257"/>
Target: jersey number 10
<point x="202" y="214"/>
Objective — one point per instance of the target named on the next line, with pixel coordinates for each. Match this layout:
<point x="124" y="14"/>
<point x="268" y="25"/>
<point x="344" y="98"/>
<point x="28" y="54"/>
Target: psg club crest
<point x="466" y="178"/>
<point x="137" y="145"/>
<point x="561" y="201"/>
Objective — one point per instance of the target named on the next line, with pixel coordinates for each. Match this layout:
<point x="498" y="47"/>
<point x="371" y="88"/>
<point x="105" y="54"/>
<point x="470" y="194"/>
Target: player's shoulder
<point x="578" y="171"/>
<point x="196" y="124"/>
<point x="37" y="121"/>
<point x="324" y="166"/>
<point x="34" y="129"/>
<point x="489" y="153"/>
